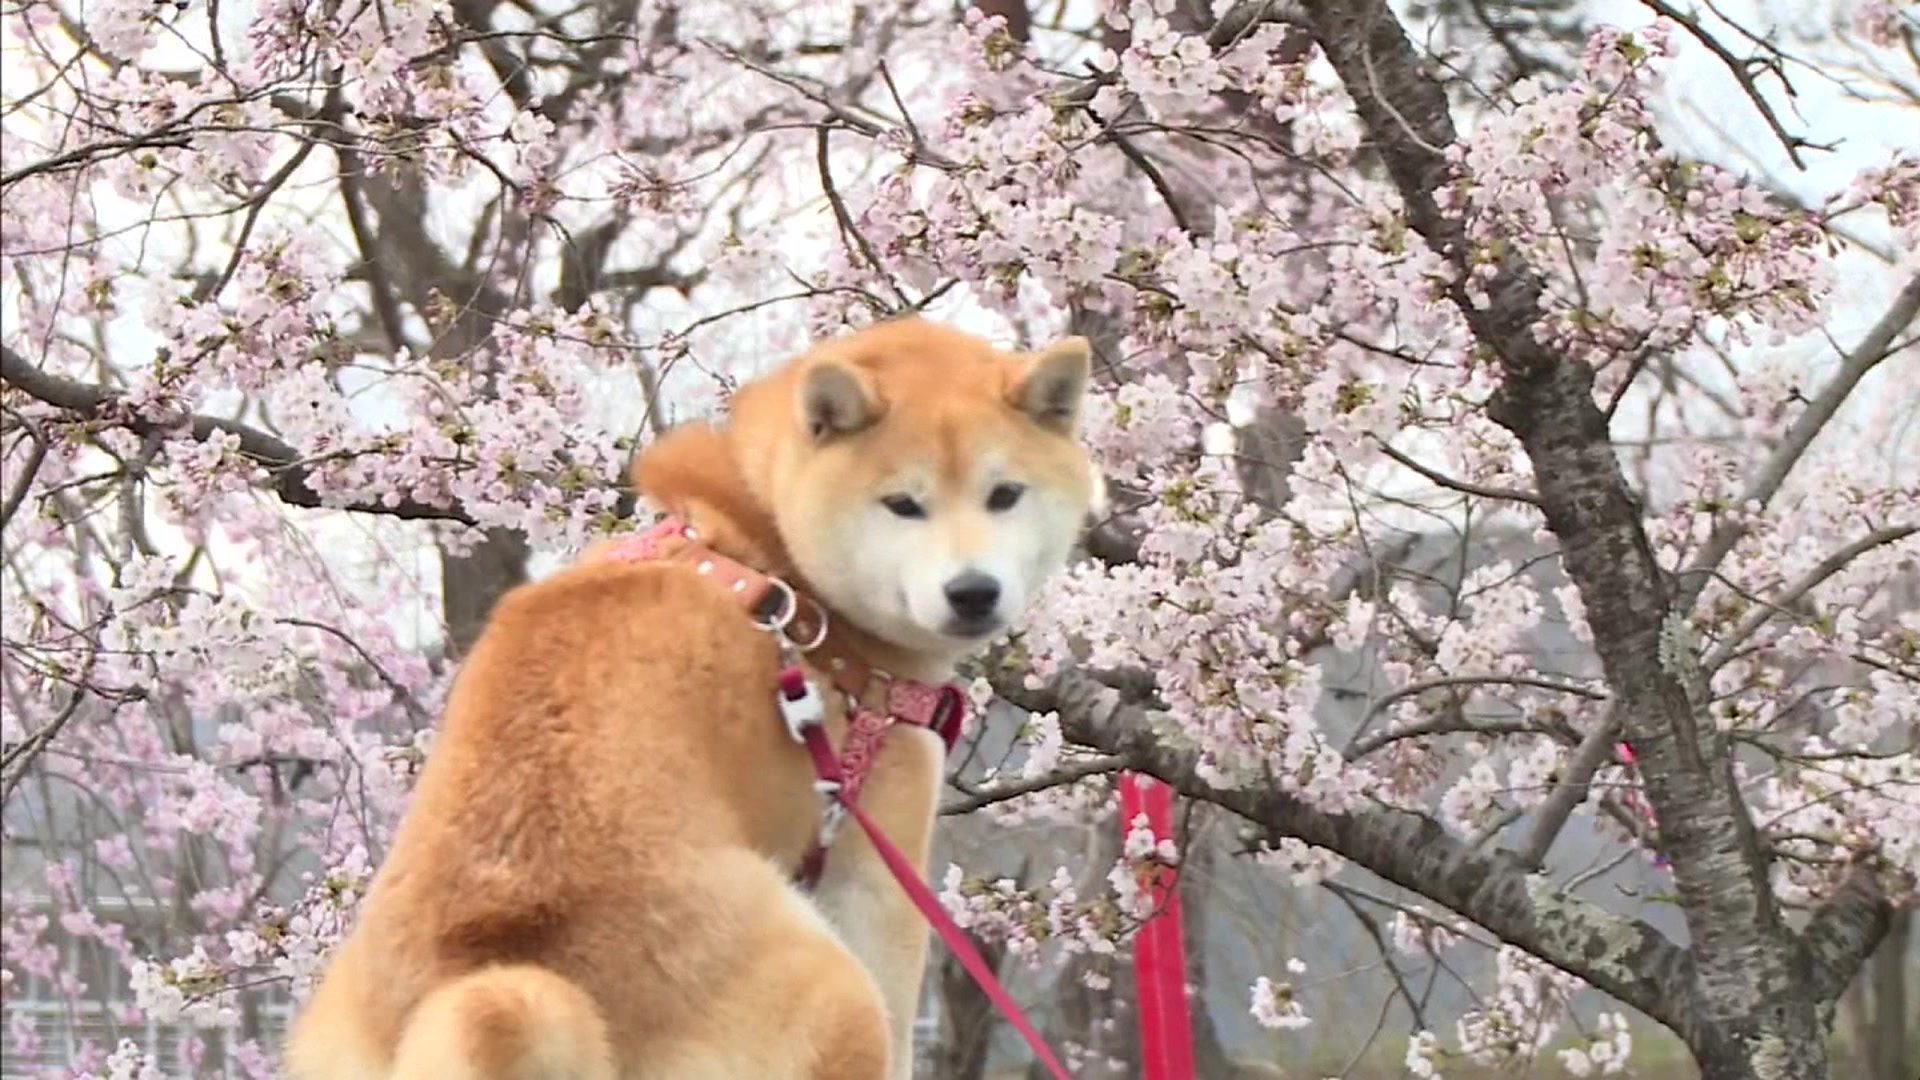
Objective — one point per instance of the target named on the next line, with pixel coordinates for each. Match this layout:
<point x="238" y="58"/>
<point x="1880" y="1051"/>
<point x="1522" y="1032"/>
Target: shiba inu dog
<point x="595" y="876"/>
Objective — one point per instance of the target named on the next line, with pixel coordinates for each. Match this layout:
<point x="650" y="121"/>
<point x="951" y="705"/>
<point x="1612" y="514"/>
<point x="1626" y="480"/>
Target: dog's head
<point x="924" y="483"/>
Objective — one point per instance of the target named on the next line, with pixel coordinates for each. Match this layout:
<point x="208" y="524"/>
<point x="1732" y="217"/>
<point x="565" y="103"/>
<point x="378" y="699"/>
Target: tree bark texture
<point x="1884" y="1043"/>
<point x="967" y="1018"/>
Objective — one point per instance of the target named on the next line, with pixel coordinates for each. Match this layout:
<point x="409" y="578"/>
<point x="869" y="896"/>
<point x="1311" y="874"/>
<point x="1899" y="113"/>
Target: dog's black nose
<point x="973" y="595"/>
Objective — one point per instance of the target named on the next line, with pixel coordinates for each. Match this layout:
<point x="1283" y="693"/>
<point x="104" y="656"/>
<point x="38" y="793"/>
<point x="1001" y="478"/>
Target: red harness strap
<point x="834" y="783"/>
<point x="775" y="606"/>
<point x="939" y="709"/>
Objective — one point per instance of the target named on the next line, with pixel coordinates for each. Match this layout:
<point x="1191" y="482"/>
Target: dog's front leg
<point x="869" y="910"/>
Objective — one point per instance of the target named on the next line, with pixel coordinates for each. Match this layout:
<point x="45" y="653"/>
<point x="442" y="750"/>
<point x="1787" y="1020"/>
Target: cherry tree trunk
<point x="1757" y="1004"/>
<point x="1787" y="1043"/>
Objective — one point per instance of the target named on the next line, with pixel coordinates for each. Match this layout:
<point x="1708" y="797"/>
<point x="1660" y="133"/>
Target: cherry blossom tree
<point x="1509" y="411"/>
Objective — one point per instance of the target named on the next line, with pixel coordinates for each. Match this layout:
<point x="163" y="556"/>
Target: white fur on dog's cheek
<point x="1060" y="529"/>
<point x="882" y="555"/>
<point x="888" y="575"/>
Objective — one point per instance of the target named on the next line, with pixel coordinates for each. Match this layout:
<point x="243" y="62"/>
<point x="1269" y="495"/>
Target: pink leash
<point x="832" y="782"/>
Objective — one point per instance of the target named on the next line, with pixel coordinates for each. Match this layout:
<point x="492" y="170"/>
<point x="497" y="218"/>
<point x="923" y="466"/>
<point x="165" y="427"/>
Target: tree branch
<point x="1185" y="220"/>
<point x="1844" y="932"/>
<point x="1415" y="689"/>
<point x="386" y="305"/>
<point x="1867" y="355"/>
<point x="29" y="469"/>
<point x="172" y="135"/>
<point x="1067" y="773"/>
<point x="1567" y="796"/>
<point x="1362" y="744"/>
<point x="1624" y="957"/>
<point x="285" y="467"/>
<point x="1809" y="581"/>
<point x="1450" y="722"/>
<point x="1372" y="927"/>
<point x="849" y="230"/>
<point x="1740" y="70"/>
<point x="1462" y="486"/>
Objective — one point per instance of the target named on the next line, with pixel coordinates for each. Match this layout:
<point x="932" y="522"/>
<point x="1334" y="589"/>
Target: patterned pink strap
<point x="940" y="709"/>
<point x="865" y="729"/>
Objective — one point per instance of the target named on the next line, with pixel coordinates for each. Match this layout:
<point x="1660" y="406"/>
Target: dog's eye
<point x="903" y="506"/>
<point x="1004" y="496"/>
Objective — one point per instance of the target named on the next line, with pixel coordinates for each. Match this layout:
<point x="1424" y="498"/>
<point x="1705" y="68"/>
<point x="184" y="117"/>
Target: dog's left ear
<point x="834" y="400"/>
<point x="1055" y="380"/>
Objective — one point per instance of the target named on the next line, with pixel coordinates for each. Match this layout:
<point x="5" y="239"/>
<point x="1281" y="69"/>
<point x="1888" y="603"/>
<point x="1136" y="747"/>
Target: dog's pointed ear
<point x="1054" y="382"/>
<point x="834" y="400"/>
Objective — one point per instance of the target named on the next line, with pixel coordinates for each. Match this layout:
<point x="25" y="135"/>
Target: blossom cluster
<point x="1028" y="920"/>
<point x="1275" y="1004"/>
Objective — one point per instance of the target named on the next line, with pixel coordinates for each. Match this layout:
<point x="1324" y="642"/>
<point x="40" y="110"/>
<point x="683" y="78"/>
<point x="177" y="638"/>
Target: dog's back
<point x="577" y="838"/>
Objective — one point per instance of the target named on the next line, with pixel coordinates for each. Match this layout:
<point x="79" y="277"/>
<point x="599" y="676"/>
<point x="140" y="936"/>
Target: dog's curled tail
<point x="506" y="1022"/>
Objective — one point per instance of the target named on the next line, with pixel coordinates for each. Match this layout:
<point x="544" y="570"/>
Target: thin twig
<point x="1809" y="581"/>
<point x="1372" y="926"/>
<point x="1739" y="69"/>
<point x="412" y="704"/>
<point x="1463" y="486"/>
<point x="848" y="230"/>
<point x="29" y="469"/>
<point x="1065" y="774"/>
